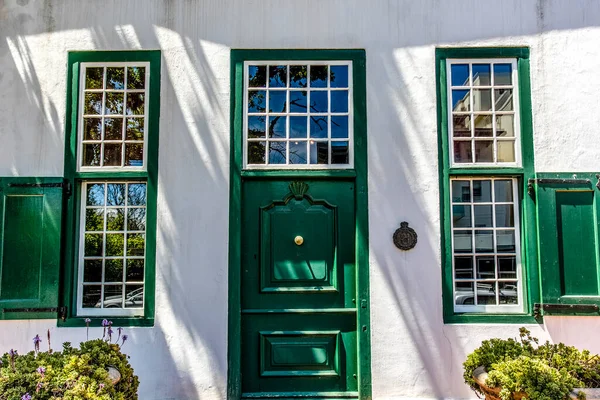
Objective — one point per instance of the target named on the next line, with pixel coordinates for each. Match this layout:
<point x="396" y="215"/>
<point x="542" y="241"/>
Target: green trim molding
<point x="359" y="175"/>
<point x="75" y="179"/>
<point x="528" y="222"/>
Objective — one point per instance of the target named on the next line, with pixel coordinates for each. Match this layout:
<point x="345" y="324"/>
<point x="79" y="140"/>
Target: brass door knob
<point x="299" y="240"/>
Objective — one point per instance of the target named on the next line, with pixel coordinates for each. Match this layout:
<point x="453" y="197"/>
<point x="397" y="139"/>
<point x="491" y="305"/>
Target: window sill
<point x="490" y="319"/>
<point x="79" y="322"/>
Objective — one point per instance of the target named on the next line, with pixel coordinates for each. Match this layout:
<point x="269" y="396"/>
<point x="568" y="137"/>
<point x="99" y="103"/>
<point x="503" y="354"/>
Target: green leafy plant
<point x="73" y="373"/>
<point x="546" y="371"/>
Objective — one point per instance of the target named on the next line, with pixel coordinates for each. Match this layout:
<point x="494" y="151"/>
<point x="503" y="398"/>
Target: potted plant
<point x="523" y="369"/>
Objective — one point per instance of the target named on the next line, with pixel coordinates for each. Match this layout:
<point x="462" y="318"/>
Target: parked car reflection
<point x="486" y="295"/>
<point x="133" y="299"/>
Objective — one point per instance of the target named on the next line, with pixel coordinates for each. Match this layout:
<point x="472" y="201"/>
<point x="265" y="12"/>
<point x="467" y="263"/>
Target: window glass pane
<point x="115" y="78"/>
<point x="136" y="219"/>
<point x="136" y="194"/>
<point x="135" y="129"/>
<point x="115" y="219"/>
<point x="506" y="151"/>
<point x="461" y="216"/>
<point x="277" y="152"/>
<point x="277" y="101"/>
<point x="256" y="127"/>
<point x="135" y="270"/>
<point x="505" y="217"/>
<point x="339" y="127"/>
<point x="461" y="191"/>
<point x="507" y="267"/>
<point x="298" y="152"/>
<point x="134" y="154"/>
<point x="483" y="216"/>
<point x="484" y="151"/>
<point x="277" y="127"/>
<point x="298" y="75"/>
<point x="486" y="293"/>
<point x="318" y="101"/>
<point x="277" y="76"/>
<point x="481" y="75"/>
<point x="92" y="103"/>
<point x="298" y="101"/>
<point x="92" y="128"/>
<point x="338" y="75"/>
<point x="464" y="294"/>
<point x="136" y="244"/>
<point x="339" y="152"/>
<point x="135" y="104"/>
<point x="462" y="151"/>
<point x="461" y="100"/>
<point x="502" y="74"/>
<point x="92" y="271"/>
<point x="93" y="244"/>
<point x="256" y="152"/>
<point x="114" y="103"/>
<point x="91" y="296"/>
<point x="319" y="152"/>
<point x="94" y="78"/>
<point x="504" y="99"/>
<point x="257" y="75"/>
<point x="503" y="190"/>
<point x="339" y="101"/>
<point x="459" y="74"/>
<point x="463" y="267"/>
<point x="115" y="244"/>
<point x="463" y="241"/>
<point x="113" y="296"/>
<point x="318" y="76"/>
<point x="462" y="126"/>
<point x="113" y="128"/>
<point x="112" y="154"/>
<point x="298" y="127"/>
<point x="318" y="127"/>
<point x="134" y="296"/>
<point x="505" y="126"/>
<point x="508" y="292"/>
<point x="483" y="126"/>
<point x="484" y="241"/>
<point x="115" y="194"/>
<point x="257" y="101"/>
<point x="482" y="100"/>
<point x="113" y="271"/>
<point x="506" y="241"/>
<point x="94" y="219"/>
<point x="482" y="191"/>
<point x="486" y="268"/>
<point x="136" y="77"/>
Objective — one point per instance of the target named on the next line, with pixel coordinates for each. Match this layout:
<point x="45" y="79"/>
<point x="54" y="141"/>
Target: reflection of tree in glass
<point x="94" y="219"/>
<point x="94" y="78"/>
<point x="115" y="244"/>
<point x="115" y="194"/>
<point x="115" y="78"/>
<point x="136" y="77"/>
<point x="136" y="194"/>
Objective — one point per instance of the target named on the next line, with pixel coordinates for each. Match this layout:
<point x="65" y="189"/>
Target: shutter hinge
<point x="557" y="181"/>
<point x="65" y="184"/>
<point x="61" y="311"/>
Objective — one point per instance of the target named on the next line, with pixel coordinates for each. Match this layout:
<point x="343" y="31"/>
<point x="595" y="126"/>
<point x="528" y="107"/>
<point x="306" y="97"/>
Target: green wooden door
<point x="298" y="286"/>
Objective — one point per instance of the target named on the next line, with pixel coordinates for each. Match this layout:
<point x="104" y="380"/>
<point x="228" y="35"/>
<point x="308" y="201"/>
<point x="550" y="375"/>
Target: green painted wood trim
<point x="333" y="173"/>
<point x="527" y="171"/>
<point x="71" y="204"/>
<point x="358" y="57"/>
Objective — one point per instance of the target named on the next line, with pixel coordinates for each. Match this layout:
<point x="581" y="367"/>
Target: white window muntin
<point x="485" y="308"/>
<point x="103" y="115"/>
<point x="108" y="311"/>
<point x="470" y="86"/>
<point x="288" y="114"/>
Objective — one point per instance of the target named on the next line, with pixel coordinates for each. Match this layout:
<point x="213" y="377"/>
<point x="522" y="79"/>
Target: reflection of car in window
<point x="487" y="295"/>
<point x="133" y="299"/>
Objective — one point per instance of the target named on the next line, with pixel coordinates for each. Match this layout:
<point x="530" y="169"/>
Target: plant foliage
<point x="546" y="371"/>
<point x="70" y="374"/>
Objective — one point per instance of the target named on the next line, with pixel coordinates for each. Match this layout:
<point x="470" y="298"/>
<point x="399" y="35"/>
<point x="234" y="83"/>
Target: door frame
<point x="359" y="173"/>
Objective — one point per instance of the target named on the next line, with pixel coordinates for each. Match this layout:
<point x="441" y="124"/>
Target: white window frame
<point x="80" y="115"/>
<point x="493" y="113"/>
<point x="489" y="309"/>
<point x="287" y="140"/>
<point x="102" y="311"/>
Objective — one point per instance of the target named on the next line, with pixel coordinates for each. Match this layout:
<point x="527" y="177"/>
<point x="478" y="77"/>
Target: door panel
<point x="299" y="329"/>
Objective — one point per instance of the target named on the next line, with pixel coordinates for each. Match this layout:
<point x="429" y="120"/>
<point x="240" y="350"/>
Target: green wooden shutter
<point x="30" y="247"/>
<point x="568" y="230"/>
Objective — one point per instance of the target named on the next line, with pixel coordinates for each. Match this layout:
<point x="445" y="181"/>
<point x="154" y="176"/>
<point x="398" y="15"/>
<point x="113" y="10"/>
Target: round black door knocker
<point x="405" y="238"/>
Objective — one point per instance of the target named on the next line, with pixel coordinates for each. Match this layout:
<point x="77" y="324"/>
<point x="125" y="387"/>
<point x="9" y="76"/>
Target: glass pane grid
<point x="113" y="245"/>
<point x="298" y="114"/>
<point x="113" y="116"/>
<point x="483" y="122"/>
<point x="485" y="242"/>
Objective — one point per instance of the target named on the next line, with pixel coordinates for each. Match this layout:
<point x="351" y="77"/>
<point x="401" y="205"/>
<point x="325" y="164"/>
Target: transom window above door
<point x="298" y="114"/>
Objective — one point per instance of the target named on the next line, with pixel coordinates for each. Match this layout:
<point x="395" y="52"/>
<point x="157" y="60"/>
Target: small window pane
<point x="93" y="244"/>
<point x="504" y="99"/>
<point x="136" y="219"/>
<point x="502" y="74"/>
<point x="507" y="267"/>
<point x="484" y="151"/>
<point x="486" y="268"/>
<point x="486" y="293"/>
<point x="115" y="194"/>
<point x="134" y="296"/>
<point x="483" y="126"/>
<point x="113" y="296"/>
<point x="463" y="241"/>
<point x="256" y="152"/>
<point x="339" y="153"/>
<point x="298" y="74"/>
<point x="461" y="191"/>
<point x="463" y="267"/>
<point x="92" y="128"/>
<point x="298" y="127"/>
<point x="506" y="151"/>
<point x="481" y="75"/>
<point x="134" y="154"/>
<point x="113" y="128"/>
<point x="95" y="194"/>
<point x="318" y="76"/>
<point x="94" y="78"/>
<point x="256" y="127"/>
<point x="135" y="270"/>
<point x="91" y="296"/>
<point x="277" y="101"/>
<point x="298" y="152"/>
<point x="461" y="100"/>
<point x="482" y="100"/>
<point x="319" y="152"/>
<point x="298" y="101"/>
<point x="114" y="103"/>
<point x="136" y="243"/>
<point x="482" y="191"/>
<point x="115" y="219"/>
<point x="113" y="271"/>
<point x="464" y="293"/>
<point x="94" y="219"/>
<point x="277" y="76"/>
<point x="505" y="125"/>
<point x="459" y="74"/>
<point x="92" y="103"/>
<point x="135" y="129"/>
<point x="136" y="194"/>
<point x="277" y="152"/>
<point x="318" y="127"/>
<point x="508" y="292"/>
<point x="318" y="101"/>
<point x="136" y="77"/>
<point x="506" y="241"/>
<point x="505" y="217"/>
<point x="135" y="104"/>
<point x="462" y="126"/>
<point x="483" y="216"/>
<point x="112" y="154"/>
<point x="484" y="241"/>
<point x="339" y="127"/>
<point x="277" y="127"/>
<point x="339" y="101"/>
<point x="91" y="154"/>
<point x="462" y="151"/>
<point x="338" y="76"/>
<point x="257" y="101"/>
<point x="461" y="216"/>
<point x="115" y="244"/>
<point x="503" y="190"/>
<point x="115" y="78"/>
<point x="257" y="76"/>
<point x="92" y="271"/>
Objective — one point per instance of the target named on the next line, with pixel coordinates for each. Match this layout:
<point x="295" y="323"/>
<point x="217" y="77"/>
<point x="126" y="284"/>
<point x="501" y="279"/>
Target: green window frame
<point x="517" y="170"/>
<point x="126" y="95"/>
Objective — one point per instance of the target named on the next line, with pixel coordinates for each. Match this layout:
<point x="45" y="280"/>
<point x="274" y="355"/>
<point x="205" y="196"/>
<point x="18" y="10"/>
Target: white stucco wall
<point x="413" y="353"/>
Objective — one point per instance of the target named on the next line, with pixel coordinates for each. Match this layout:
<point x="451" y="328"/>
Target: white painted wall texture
<point x="414" y="353"/>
